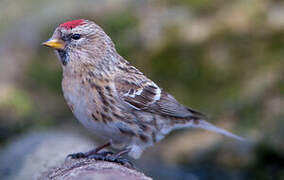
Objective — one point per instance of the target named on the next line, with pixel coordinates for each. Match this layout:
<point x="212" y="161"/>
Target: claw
<point x="111" y="157"/>
<point x="104" y="156"/>
<point x="125" y="162"/>
<point x="77" y="155"/>
<point x="106" y="153"/>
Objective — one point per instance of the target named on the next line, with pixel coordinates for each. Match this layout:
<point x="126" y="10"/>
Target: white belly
<point x="80" y="99"/>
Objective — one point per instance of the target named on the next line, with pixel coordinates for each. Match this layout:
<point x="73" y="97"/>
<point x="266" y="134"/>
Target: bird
<point x="112" y="98"/>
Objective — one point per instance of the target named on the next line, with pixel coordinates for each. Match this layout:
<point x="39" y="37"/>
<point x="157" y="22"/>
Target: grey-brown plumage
<point x="111" y="97"/>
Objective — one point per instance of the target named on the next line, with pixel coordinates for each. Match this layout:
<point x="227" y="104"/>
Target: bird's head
<point x="79" y="41"/>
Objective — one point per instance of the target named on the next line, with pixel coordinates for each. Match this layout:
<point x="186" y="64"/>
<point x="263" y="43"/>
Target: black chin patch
<point x="63" y="56"/>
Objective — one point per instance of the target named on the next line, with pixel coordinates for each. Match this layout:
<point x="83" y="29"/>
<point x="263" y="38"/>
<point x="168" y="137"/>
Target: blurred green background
<point x="225" y="58"/>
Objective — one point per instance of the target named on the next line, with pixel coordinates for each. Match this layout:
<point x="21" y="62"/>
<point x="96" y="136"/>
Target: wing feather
<point x="147" y="96"/>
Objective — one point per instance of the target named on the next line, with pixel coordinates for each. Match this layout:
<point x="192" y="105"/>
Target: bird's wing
<point x="138" y="94"/>
<point x="141" y="93"/>
<point x="168" y="105"/>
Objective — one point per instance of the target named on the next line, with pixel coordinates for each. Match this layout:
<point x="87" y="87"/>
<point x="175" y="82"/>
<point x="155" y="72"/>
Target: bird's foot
<point x="77" y="155"/>
<point x="110" y="157"/>
<point x="104" y="156"/>
<point x="88" y="155"/>
<point x="92" y="152"/>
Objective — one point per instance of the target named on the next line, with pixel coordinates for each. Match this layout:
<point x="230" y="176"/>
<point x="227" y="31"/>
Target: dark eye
<point x="76" y="36"/>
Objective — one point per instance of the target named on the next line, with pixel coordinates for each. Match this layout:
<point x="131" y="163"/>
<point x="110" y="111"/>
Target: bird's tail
<point x="202" y="124"/>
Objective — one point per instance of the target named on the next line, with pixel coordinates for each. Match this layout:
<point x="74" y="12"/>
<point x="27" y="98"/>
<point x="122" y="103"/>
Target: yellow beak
<point x="54" y="43"/>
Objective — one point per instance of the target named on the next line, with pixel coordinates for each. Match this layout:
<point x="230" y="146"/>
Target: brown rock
<point x="87" y="169"/>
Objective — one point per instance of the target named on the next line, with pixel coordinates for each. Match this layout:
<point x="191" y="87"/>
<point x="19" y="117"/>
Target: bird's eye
<point x="76" y="36"/>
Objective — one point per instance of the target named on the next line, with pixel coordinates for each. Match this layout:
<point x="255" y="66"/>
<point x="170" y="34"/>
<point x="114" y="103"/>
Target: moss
<point x="116" y="24"/>
<point x="202" y="7"/>
<point x="281" y="86"/>
<point x="121" y="28"/>
<point x="17" y="103"/>
<point x="45" y="72"/>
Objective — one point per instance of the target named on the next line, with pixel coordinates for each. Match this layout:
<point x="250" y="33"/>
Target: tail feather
<point x="202" y="124"/>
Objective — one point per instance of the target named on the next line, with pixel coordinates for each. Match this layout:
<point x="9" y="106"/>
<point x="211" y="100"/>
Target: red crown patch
<point x="72" y="24"/>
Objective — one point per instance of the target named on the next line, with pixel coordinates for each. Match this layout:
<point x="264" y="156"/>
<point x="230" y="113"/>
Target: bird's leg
<point x="105" y="155"/>
<point x="92" y="152"/>
<point x="116" y="158"/>
<point x="97" y="149"/>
